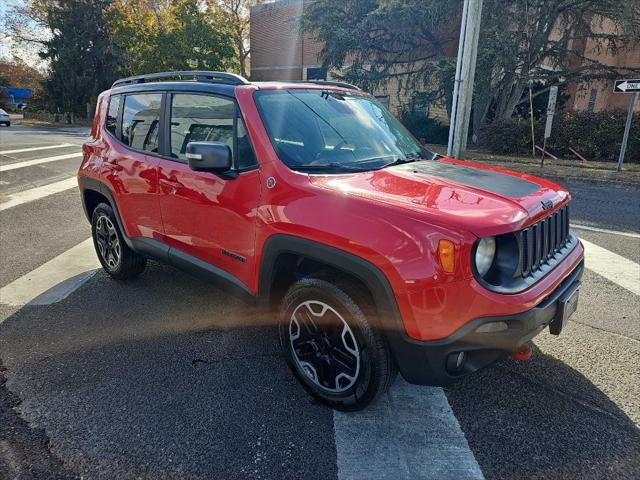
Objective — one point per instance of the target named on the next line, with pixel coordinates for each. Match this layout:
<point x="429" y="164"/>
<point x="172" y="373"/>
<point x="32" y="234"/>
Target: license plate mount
<point x="567" y="306"/>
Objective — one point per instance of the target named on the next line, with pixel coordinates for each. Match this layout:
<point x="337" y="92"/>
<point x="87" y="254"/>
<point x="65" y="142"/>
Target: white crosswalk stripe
<point x="54" y="280"/>
<point x="409" y="433"/>
<point x="38" y="161"/>
<point x="37" y="193"/>
<point x="34" y="149"/>
<point x="612" y="266"/>
<point x="605" y="230"/>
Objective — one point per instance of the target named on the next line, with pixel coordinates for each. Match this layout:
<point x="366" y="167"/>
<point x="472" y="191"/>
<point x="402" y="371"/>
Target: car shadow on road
<point x="543" y="419"/>
<point x="166" y="376"/>
<point x="163" y="377"/>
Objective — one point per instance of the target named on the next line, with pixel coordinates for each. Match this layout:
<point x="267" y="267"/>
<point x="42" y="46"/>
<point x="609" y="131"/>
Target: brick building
<point x="598" y="95"/>
<point x="279" y="51"/>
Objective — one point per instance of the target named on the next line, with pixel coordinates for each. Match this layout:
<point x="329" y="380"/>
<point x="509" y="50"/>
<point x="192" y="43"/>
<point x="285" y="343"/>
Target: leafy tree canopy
<point x="73" y="38"/>
<point x="236" y="17"/>
<point x="87" y="44"/>
<point x="521" y="41"/>
<point x="16" y="73"/>
<point x="171" y="35"/>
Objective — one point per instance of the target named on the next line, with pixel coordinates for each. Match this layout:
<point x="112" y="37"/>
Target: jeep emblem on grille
<point x="548" y="205"/>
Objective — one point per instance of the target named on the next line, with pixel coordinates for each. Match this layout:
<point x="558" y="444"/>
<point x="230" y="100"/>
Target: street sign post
<point x="551" y="111"/>
<point x="631" y="86"/>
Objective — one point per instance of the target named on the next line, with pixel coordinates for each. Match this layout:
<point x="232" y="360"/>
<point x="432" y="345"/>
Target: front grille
<point x="543" y="241"/>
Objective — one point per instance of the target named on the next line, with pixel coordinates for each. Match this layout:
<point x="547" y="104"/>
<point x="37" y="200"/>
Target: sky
<point x="8" y="47"/>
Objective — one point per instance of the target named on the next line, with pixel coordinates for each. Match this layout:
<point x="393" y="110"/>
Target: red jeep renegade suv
<point x="374" y="254"/>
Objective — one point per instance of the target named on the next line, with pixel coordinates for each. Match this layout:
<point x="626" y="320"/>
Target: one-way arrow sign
<point x="627" y="86"/>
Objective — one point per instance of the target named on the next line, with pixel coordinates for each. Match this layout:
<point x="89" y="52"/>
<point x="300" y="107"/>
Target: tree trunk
<point x="242" y="56"/>
<point x="513" y="100"/>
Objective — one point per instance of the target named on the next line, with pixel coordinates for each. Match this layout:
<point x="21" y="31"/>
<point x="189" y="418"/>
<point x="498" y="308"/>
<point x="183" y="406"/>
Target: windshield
<point x="2" y="112"/>
<point x="329" y="130"/>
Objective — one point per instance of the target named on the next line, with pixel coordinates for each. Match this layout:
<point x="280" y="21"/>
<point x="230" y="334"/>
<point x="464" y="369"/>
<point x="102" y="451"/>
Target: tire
<point x="117" y="259"/>
<point x="332" y="346"/>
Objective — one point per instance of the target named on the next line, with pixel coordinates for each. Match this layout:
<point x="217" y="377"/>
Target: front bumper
<point x="439" y="362"/>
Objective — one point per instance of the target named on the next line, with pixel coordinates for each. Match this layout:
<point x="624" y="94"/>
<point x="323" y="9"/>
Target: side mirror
<point x="208" y="156"/>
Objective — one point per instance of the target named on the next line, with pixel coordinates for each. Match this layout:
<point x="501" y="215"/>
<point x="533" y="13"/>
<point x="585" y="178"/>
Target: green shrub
<point x="428" y="130"/>
<point x="597" y="136"/>
<point x="511" y="136"/>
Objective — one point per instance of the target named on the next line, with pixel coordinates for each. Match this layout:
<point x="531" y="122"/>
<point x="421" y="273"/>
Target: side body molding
<point x="155" y="249"/>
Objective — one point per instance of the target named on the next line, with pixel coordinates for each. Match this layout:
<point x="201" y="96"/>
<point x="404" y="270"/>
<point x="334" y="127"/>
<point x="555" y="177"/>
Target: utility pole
<point x="465" y="76"/>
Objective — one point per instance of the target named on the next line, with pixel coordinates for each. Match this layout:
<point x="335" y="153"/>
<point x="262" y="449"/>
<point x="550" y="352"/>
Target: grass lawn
<point x="570" y="169"/>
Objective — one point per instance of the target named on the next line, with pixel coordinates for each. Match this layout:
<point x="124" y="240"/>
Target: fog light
<point x="492" y="327"/>
<point x="455" y="362"/>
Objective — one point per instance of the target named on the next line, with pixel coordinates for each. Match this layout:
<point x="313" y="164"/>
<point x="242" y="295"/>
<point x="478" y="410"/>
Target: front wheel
<point x="332" y="346"/>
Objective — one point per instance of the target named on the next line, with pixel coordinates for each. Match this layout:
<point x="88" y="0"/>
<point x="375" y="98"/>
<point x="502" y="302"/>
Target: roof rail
<point x="327" y="82"/>
<point x="198" y="76"/>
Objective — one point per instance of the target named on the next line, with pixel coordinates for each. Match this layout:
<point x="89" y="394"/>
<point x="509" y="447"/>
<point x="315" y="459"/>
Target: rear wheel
<point x="332" y="346"/>
<point x="117" y="259"/>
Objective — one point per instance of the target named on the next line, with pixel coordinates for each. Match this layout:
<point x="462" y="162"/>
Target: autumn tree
<point x="87" y="44"/>
<point x="171" y="35"/>
<point x="522" y="41"/>
<point x="236" y="14"/>
<point x="16" y="73"/>
<point x="72" y="36"/>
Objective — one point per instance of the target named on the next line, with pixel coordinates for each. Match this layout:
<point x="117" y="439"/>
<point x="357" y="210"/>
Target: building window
<point x="316" y="73"/>
<point x="383" y="100"/>
<point x="592" y="100"/>
<point x="420" y="105"/>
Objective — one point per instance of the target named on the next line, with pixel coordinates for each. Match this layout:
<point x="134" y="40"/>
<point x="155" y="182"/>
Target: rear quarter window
<point x="112" y="113"/>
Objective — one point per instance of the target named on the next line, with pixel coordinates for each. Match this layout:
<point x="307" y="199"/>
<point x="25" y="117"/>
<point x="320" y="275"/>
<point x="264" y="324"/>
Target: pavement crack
<point x="607" y="331"/>
<point x="25" y="451"/>
<point x="211" y="361"/>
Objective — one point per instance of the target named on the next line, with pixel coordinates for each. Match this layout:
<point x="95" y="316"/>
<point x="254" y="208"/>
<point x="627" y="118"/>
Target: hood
<point x="480" y="199"/>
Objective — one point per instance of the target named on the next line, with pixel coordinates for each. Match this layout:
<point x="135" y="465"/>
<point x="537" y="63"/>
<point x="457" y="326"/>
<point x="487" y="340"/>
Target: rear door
<point x="130" y="161"/>
<point x="209" y="216"/>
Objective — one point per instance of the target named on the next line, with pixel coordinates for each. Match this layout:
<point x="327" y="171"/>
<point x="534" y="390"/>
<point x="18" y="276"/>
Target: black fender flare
<point x="92" y="184"/>
<point x="407" y="353"/>
<point x="369" y="274"/>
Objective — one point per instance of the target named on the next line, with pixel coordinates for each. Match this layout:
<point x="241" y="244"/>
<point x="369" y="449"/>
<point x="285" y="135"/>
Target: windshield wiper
<point x="331" y="166"/>
<point x="402" y="160"/>
<point x="408" y="158"/>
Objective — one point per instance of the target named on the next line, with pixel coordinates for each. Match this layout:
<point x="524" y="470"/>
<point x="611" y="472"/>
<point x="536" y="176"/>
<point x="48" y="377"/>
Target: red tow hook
<point x="523" y="354"/>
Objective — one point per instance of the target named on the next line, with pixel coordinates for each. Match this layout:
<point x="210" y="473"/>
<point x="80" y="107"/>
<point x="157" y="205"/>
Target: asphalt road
<point x="167" y="377"/>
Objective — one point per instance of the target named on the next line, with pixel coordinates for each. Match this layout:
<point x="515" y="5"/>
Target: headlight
<point x="485" y="253"/>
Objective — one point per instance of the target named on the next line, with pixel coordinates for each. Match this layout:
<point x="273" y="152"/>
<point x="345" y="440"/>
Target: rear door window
<point x="200" y="118"/>
<point x="141" y="121"/>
